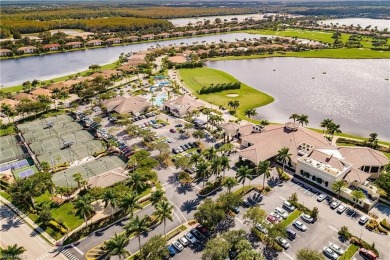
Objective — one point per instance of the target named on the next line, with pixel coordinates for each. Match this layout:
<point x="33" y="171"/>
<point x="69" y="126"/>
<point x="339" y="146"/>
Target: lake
<point x="364" y="22"/>
<point x="354" y="93"/>
<point x="17" y="71"/>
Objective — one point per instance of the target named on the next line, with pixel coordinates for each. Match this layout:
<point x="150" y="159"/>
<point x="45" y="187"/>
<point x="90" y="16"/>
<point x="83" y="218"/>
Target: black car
<point x="196" y="234"/>
<point x="183" y="147"/>
<point x="291" y="234"/>
<point x="246" y="204"/>
<point x="187" y="146"/>
<point x="195" y="144"/>
<point x="179" y="125"/>
<point x="191" y="145"/>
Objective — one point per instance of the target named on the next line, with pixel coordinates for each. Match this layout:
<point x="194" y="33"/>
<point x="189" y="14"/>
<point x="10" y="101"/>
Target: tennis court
<point x="11" y="153"/>
<point x="38" y="135"/>
<point x="56" y="155"/>
<point x="44" y="123"/>
<point x="88" y="170"/>
<point x="8" y="140"/>
<point x="14" y="165"/>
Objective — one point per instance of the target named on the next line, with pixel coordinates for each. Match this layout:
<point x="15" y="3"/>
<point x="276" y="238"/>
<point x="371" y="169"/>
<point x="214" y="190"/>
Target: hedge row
<point x="220" y="87"/>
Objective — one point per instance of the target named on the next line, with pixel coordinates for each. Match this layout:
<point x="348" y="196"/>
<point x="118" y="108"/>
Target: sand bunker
<point x="232" y="95"/>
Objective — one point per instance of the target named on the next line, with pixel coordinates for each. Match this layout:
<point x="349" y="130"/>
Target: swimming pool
<point x="160" y="99"/>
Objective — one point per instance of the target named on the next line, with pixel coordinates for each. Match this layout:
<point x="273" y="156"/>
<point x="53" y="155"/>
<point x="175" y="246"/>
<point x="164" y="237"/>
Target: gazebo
<point x="230" y="129"/>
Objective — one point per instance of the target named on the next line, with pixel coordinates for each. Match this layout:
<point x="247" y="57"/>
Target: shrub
<point x="361" y="243"/>
<point x="220" y="87"/>
<point x="344" y="232"/>
<point x="267" y="189"/>
<point x="385" y="225"/>
<point x="263" y="239"/>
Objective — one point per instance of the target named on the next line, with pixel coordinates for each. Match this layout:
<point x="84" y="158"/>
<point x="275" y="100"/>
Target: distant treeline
<point x="220" y="87"/>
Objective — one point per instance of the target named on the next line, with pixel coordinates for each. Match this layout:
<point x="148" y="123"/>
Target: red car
<point x="172" y="130"/>
<point x="272" y="219"/>
<point x="367" y="254"/>
<point x="202" y="229"/>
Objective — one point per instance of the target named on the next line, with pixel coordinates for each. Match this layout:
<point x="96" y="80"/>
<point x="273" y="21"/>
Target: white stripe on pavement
<point x="333" y="228"/>
<point x="239" y="220"/>
<point x="287" y="255"/>
<point x="282" y="198"/>
<point x="78" y="250"/>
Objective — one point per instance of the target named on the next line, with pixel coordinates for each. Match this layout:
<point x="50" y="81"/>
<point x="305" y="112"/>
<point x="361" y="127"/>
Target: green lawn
<point x="248" y="97"/>
<point x="315" y="35"/>
<point x="293" y="216"/>
<point x="350" y="252"/>
<point x="63" y="78"/>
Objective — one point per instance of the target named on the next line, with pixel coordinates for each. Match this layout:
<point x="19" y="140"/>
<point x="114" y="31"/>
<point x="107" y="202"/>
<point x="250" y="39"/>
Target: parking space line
<point x="287" y="255"/>
<point x="282" y="198"/>
<point x="352" y="214"/>
<point x="78" y="250"/>
<point x="333" y="228"/>
<point x="339" y="241"/>
<point x="239" y="220"/>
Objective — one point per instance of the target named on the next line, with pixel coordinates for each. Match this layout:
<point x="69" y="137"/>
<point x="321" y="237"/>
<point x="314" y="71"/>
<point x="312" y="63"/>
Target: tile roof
<point x="267" y="143"/>
<point x="8" y="101"/>
<point x="327" y="159"/>
<point x="126" y="104"/>
<point x="356" y="175"/>
<point x="360" y="156"/>
<point x="41" y="91"/>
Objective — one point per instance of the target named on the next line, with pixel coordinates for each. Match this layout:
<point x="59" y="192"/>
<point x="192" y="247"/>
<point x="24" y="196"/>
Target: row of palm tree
<point x="234" y="104"/>
<point x="330" y="128"/>
<point x="301" y="119"/>
<point x="250" y="113"/>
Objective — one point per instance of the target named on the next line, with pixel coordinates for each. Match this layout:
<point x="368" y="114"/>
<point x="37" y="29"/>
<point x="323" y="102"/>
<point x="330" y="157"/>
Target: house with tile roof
<point x="125" y="105"/>
<point x="180" y="106"/>
<point x="314" y="159"/>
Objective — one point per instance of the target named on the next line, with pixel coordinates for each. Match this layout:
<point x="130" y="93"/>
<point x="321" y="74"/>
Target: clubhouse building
<point x="314" y="159"/>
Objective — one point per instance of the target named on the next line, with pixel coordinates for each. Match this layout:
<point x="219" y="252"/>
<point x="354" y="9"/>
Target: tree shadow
<point x="11" y="223"/>
<point x="190" y="205"/>
<point x="274" y="181"/>
<point x="172" y="179"/>
<point x="183" y="189"/>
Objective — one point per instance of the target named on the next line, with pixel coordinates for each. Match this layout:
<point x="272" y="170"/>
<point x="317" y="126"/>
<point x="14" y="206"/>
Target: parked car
<point x="202" y="229"/>
<point x="179" y="247"/>
<point x="288" y="206"/>
<point x="246" y="204"/>
<point x="307" y="218"/>
<point x="183" y="240"/>
<point x="363" y="220"/>
<point x="341" y="209"/>
<point x="191" y="238"/>
<point x="329" y="253"/>
<point x="334" y="204"/>
<point x="299" y="225"/>
<point x="183" y="148"/>
<point x="282" y="242"/>
<point x="367" y="254"/>
<point x="235" y="210"/>
<point x="196" y="234"/>
<point x="277" y="216"/>
<point x="321" y="197"/>
<point x="272" y="219"/>
<point x="291" y="234"/>
<point x="281" y="212"/>
<point x="172" y="250"/>
<point x="172" y="130"/>
<point x="262" y="229"/>
<point x="179" y="125"/>
<point x="336" y="248"/>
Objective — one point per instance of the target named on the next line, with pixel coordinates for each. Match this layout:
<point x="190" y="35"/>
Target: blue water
<point x="160" y="99"/>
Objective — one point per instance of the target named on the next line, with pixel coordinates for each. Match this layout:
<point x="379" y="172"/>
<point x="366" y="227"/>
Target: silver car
<point x="330" y="253"/>
<point x="307" y="218"/>
<point x="300" y="226"/>
<point x="281" y="212"/>
<point x="183" y="241"/>
<point x="179" y="247"/>
<point x="336" y="248"/>
<point x="191" y="238"/>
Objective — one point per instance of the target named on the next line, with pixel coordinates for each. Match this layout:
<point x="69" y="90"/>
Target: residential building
<point x="178" y="34"/>
<point x="180" y="106"/>
<point x="22" y="96"/>
<point x="147" y="37"/>
<point x="163" y="35"/>
<point x="11" y="102"/>
<point x="94" y="43"/>
<point x="74" y="45"/>
<point x="114" y="40"/>
<point x="51" y="47"/>
<point x="41" y="91"/>
<point x="27" y="49"/>
<point x="132" y="38"/>
<point x="5" y="52"/>
<point x="125" y="105"/>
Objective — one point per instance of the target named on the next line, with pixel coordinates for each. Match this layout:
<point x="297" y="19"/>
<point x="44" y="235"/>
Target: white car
<point x="179" y="247"/>
<point x="191" y="238"/>
<point x="321" y="197"/>
<point x="281" y="212"/>
<point x="299" y="225"/>
<point x="282" y="242"/>
<point x="307" y="218"/>
<point x="334" y="204"/>
<point x="336" y="248"/>
<point x="363" y="220"/>
<point x="262" y="229"/>
<point x="330" y="254"/>
<point x="341" y="209"/>
<point x="183" y="241"/>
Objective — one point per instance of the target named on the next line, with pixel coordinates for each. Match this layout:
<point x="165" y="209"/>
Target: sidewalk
<point x="29" y="222"/>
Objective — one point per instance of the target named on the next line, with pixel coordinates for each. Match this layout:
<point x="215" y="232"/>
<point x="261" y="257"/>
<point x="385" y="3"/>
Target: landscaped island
<point x="248" y="97"/>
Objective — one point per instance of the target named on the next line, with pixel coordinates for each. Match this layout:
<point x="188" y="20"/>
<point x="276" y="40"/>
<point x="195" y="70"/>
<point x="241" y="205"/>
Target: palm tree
<point x="303" y="119"/>
<point x="138" y="226"/>
<point x="333" y="129"/>
<point x="216" y="167"/>
<point x="116" y="246"/>
<point x="207" y="112"/>
<point x="12" y="252"/>
<point x="338" y="186"/>
<point x="195" y="158"/>
<point x="129" y="203"/>
<point x="264" y="168"/>
<point x="157" y="196"/>
<point x="152" y="99"/>
<point x="250" y="113"/>
<point x="6" y="110"/>
<point x="110" y="198"/>
<point x="136" y="181"/>
<point x="77" y="177"/>
<point x="236" y="104"/>
<point x="357" y="196"/>
<point x="202" y="170"/>
<point x="84" y="208"/>
<point x="225" y="163"/>
<point x="164" y="212"/>
<point x="210" y="153"/>
<point x="284" y="156"/>
<point x="229" y="183"/>
<point x="294" y="117"/>
<point x="325" y="123"/>
<point x="243" y="173"/>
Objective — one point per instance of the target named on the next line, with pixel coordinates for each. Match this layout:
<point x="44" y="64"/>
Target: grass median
<point x="248" y="97"/>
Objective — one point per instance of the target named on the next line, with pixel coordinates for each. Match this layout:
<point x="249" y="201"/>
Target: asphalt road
<point x="15" y="231"/>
